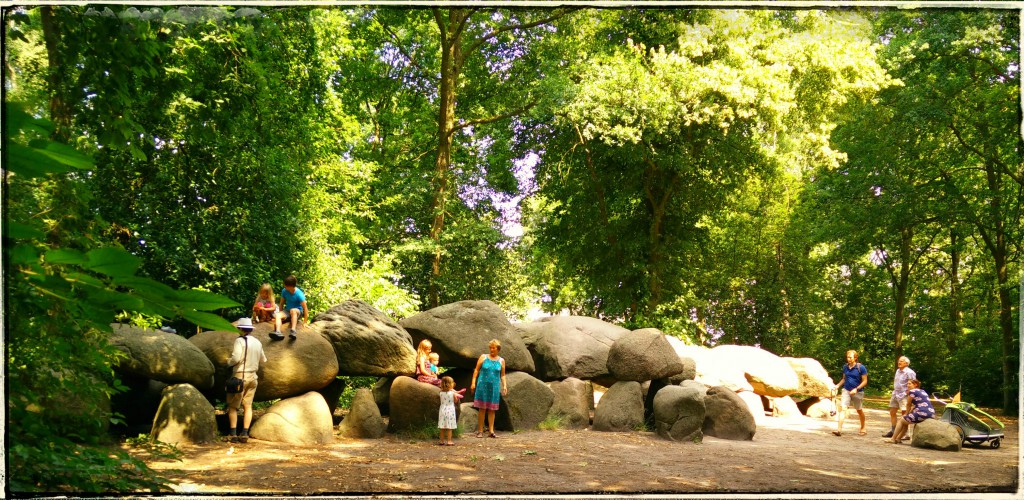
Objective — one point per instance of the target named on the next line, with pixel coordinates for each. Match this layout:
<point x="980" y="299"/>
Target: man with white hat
<point x="246" y="356"/>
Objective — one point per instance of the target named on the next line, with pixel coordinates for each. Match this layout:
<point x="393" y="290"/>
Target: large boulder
<point x="302" y="420"/>
<point x="293" y="367"/>
<point x="460" y="332"/>
<point x="813" y="378"/>
<point x="528" y="400"/>
<point x="162" y="356"/>
<point x="468" y="418"/>
<point x="570" y="346"/>
<point x="363" y="420"/>
<point x="727" y="416"/>
<point x="643" y="355"/>
<point x="679" y="412"/>
<point x="413" y="405"/>
<point x="754" y="403"/>
<point x="621" y="408"/>
<point x="712" y="371"/>
<point x="784" y="407"/>
<point x="184" y="416"/>
<point x="573" y="400"/>
<point x="815" y="407"/>
<point x="768" y="374"/>
<point x="366" y="341"/>
<point x="935" y="434"/>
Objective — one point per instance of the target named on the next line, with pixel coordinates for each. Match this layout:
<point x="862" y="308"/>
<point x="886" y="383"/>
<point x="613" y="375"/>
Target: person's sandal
<point x="493" y="435"/>
<point x="479" y="434"/>
<point x="837" y="433"/>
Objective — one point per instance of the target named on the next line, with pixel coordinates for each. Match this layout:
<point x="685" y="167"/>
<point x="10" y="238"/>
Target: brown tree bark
<point x="60" y="111"/>
<point x="453" y="57"/>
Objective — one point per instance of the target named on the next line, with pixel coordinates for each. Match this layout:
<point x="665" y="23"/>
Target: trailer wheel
<point x="995" y="443"/>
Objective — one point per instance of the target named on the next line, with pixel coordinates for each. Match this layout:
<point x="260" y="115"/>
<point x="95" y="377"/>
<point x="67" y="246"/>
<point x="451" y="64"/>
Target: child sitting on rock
<point x="423" y="372"/>
<point x="265" y="310"/>
<point x="434" y="360"/>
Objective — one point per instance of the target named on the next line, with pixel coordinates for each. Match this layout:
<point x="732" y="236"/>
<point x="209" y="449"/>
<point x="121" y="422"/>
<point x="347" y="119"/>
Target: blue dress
<point x="488" y="385"/>
<point x="923" y="408"/>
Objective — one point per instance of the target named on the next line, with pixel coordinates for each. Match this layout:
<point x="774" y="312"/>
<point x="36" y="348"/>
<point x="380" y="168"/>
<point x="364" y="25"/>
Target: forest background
<point x="807" y="181"/>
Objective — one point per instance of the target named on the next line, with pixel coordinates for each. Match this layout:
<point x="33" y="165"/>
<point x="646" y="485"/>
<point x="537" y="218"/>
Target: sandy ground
<point x="786" y="456"/>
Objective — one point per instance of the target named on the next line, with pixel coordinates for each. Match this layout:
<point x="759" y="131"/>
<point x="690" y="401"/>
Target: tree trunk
<point x="955" y="314"/>
<point x="451" y="65"/>
<point x="659" y="192"/>
<point x="902" y="286"/>
<point x="997" y="247"/>
<point x="60" y="111"/>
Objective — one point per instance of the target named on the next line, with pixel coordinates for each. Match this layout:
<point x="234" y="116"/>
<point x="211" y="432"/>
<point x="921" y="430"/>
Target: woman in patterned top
<point x="919" y="408"/>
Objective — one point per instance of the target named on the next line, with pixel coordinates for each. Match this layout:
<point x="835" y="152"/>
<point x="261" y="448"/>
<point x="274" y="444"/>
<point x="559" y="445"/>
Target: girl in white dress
<point x="446" y="415"/>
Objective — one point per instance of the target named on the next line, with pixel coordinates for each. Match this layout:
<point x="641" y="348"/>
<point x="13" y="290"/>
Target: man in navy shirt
<point x="855" y="379"/>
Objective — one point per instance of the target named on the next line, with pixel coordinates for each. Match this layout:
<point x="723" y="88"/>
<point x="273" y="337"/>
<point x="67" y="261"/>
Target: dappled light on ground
<point x="838" y="474"/>
<point x="790" y="456"/>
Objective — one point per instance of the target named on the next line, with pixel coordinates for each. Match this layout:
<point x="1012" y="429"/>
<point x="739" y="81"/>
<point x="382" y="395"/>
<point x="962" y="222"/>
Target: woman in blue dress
<point x="488" y="385"/>
<point x="919" y="409"/>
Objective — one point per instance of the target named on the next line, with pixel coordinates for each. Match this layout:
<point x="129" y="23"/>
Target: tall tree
<point x="653" y="141"/>
<point x="962" y="78"/>
<point x="480" y="68"/>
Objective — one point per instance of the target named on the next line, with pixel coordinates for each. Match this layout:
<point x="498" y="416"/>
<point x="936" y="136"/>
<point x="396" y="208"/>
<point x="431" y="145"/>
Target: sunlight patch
<point x="930" y="462"/>
<point x="837" y="474"/>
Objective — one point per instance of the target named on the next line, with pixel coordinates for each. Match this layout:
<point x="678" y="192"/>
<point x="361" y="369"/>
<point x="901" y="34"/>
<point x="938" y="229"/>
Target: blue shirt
<point x="293" y="300"/>
<point x="851" y="376"/>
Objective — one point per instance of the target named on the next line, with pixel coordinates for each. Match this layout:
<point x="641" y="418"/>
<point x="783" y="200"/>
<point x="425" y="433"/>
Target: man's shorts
<point x="899" y="403"/>
<point x="244" y="398"/>
<point x="855" y="401"/>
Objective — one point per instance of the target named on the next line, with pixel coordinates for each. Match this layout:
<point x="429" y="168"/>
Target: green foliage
<point x="425" y="432"/>
<point x="646" y="161"/>
<point x="61" y="303"/>
<point x="352" y="384"/>
<point x="552" y="422"/>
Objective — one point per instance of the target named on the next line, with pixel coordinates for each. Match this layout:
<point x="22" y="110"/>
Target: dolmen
<point x="577" y="372"/>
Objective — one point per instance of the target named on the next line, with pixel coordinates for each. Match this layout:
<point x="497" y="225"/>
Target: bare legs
<point x="246" y="419"/>
<point x="480" y="424"/>
<point x="442" y="439"/>
<point x="841" y="415"/>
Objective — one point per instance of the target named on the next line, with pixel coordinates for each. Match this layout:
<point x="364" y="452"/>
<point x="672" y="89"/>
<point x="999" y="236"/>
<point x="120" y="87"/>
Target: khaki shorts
<point x="855" y="401"/>
<point x="244" y="398"/>
<point x="898" y="403"/>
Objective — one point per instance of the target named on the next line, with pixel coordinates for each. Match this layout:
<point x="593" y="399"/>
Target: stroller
<point x="974" y="426"/>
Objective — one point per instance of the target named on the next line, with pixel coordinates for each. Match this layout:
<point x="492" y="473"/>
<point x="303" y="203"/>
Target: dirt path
<point x="797" y="455"/>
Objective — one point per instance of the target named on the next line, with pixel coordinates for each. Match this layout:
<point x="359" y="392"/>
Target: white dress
<point x="446" y="415"/>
